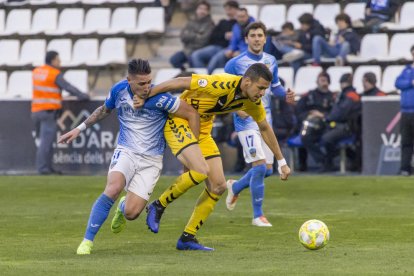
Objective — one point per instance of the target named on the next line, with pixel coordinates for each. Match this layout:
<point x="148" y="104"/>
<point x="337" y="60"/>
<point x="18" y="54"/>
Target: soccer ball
<point x="314" y="234"/>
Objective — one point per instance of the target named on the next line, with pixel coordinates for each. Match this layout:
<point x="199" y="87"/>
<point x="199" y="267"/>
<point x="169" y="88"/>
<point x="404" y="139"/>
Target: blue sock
<point x="242" y="183"/>
<point x="122" y="207"/>
<point x="257" y="189"/>
<point x="269" y="172"/>
<point x="99" y="213"/>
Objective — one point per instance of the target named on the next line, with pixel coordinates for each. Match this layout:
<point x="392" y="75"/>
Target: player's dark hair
<point x="231" y="4"/>
<point x="204" y="3"/>
<point x="370" y="77"/>
<point x="343" y="17"/>
<point x="139" y="67"/>
<point x="50" y="56"/>
<point x="325" y="75"/>
<point x="254" y="26"/>
<point x="306" y="18"/>
<point x="288" y="25"/>
<point x="244" y="10"/>
<point x="257" y="71"/>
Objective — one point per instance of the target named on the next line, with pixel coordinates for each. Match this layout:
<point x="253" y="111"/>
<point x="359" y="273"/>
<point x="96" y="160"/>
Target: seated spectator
<point x="345" y="42"/>
<point x="237" y="41"/>
<point x="219" y="40"/>
<point x="285" y="43"/>
<point x="369" y="81"/>
<point x="309" y="28"/>
<point x="378" y="12"/>
<point x="194" y="35"/>
<point x="311" y="111"/>
<point x="168" y="6"/>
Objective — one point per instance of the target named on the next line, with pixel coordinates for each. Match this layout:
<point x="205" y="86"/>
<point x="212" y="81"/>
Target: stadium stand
<point x="359" y="73"/>
<point x="20" y="85"/>
<point x="295" y="11"/>
<point x="325" y="14"/>
<point x="305" y="79"/>
<point x="273" y="16"/>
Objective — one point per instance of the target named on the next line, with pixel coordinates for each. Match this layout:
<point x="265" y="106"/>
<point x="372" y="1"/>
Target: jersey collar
<point x="254" y="56"/>
<point x="130" y="91"/>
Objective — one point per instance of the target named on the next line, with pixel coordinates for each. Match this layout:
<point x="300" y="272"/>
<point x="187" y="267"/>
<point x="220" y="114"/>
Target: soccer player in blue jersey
<point x="255" y="150"/>
<point x="137" y="160"/>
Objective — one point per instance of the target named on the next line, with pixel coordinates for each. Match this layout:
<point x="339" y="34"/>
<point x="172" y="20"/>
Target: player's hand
<point x="290" y="96"/>
<point x="138" y="102"/>
<point x="284" y="172"/>
<point x="69" y="137"/>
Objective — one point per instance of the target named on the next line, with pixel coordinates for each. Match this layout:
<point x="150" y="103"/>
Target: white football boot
<point x="261" y="222"/>
<point x="231" y="198"/>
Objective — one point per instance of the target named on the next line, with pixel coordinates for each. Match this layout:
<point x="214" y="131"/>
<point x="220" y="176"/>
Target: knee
<point x="317" y="39"/>
<point x="219" y="188"/>
<point x="113" y="189"/>
<point x="131" y="214"/>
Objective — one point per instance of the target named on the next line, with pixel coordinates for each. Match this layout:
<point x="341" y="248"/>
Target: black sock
<point x="185" y="237"/>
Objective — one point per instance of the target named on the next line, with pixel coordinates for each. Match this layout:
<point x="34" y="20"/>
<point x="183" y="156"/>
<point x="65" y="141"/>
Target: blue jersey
<point x="141" y="130"/>
<point x="238" y="66"/>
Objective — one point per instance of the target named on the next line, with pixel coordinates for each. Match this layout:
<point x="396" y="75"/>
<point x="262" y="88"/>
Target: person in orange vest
<point x="48" y="83"/>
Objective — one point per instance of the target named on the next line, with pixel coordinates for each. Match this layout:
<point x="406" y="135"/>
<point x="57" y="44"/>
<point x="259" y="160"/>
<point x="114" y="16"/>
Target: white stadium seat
<point x="112" y="50"/>
<point x="43" y="20"/>
<point x="359" y="73"/>
<point x="9" y="51"/>
<point x="64" y="47"/>
<point x="150" y="20"/>
<point x="18" y="20"/>
<point x="95" y="19"/>
<point x="119" y="1"/>
<point x="355" y="10"/>
<point x="373" y="47"/>
<point x="3" y="83"/>
<point x="41" y="2"/>
<point x="406" y="18"/>
<point x="122" y="19"/>
<point x="2" y="20"/>
<point x="67" y="2"/>
<point x="335" y="73"/>
<point x="69" y="20"/>
<point x="295" y="11"/>
<point x="305" y="79"/>
<point x="389" y="76"/>
<point x="286" y="73"/>
<point x="400" y="47"/>
<point x="20" y="85"/>
<point x="326" y="13"/>
<point x="200" y="71"/>
<point x="93" y="2"/>
<point x="84" y="51"/>
<point x="273" y="16"/>
<point x="78" y="78"/>
<point x="252" y="10"/>
<point x="218" y="71"/>
<point x="165" y="74"/>
<point x="144" y="1"/>
<point x="33" y="52"/>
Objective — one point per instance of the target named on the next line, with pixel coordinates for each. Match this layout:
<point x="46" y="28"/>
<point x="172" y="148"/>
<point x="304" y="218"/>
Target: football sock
<point x="180" y="186"/>
<point x="242" y="183"/>
<point x="204" y="206"/>
<point x="99" y="213"/>
<point x="257" y="189"/>
<point x="269" y="172"/>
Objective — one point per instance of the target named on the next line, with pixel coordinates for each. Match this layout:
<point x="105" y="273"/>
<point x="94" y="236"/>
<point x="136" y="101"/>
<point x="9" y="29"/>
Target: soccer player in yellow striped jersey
<point x="209" y="95"/>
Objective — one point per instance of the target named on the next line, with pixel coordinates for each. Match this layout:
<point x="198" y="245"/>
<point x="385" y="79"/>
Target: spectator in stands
<point x="168" y="6"/>
<point x="311" y="111"/>
<point x="285" y="43"/>
<point x="405" y="82"/>
<point x="369" y="81"/>
<point x="378" y="12"/>
<point x="345" y="42"/>
<point x="211" y="55"/>
<point x="237" y="41"/>
<point x="48" y="83"/>
<point x="309" y="28"/>
<point x="194" y="35"/>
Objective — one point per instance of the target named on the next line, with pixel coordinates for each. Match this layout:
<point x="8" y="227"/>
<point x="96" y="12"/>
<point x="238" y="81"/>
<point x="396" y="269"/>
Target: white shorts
<point x="141" y="171"/>
<point x="254" y="147"/>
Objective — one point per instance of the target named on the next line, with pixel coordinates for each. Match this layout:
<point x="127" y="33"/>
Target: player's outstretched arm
<point x="183" y="83"/>
<point x="270" y="139"/>
<point x="187" y="112"/>
<point x="99" y="113"/>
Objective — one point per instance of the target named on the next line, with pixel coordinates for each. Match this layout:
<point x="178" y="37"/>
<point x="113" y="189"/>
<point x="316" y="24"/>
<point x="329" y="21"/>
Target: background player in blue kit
<point x="137" y="160"/>
<point x="255" y="150"/>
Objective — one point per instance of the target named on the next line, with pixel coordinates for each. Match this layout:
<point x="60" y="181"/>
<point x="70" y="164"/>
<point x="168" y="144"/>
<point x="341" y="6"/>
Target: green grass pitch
<point x="370" y="219"/>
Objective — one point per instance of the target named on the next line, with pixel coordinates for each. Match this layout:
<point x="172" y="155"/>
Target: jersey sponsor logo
<point x="252" y="152"/>
<point x="161" y="101"/>
<point x="202" y="82"/>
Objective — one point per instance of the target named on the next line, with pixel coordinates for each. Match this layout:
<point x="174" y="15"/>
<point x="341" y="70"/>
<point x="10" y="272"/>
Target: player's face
<point x="140" y="84"/>
<point x="255" y="40"/>
<point x="202" y="11"/>
<point x="323" y="83"/>
<point x="256" y="89"/>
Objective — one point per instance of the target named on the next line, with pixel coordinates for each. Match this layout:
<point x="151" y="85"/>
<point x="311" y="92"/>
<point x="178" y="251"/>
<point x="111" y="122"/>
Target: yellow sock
<point x="204" y="207"/>
<point x="180" y="186"/>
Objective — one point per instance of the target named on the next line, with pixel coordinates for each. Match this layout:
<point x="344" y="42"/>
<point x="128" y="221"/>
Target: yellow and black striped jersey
<point x="220" y="94"/>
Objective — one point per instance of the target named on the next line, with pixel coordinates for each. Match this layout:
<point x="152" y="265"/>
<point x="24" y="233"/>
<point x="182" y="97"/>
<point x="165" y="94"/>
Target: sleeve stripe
<point x="175" y="106"/>
<point x="276" y="84"/>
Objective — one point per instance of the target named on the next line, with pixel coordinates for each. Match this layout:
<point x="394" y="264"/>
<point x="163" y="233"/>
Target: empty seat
<point x="286" y="73"/>
<point x="295" y="11"/>
<point x="33" y="52"/>
<point x="69" y="20"/>
<point x="305" y="79"/>
<point x="9" y="51"/>
<point x="41" y="2"/>
<point x="63" y="47"/>
<point x="84" y="51"/>
<point x="95" y="19"/>
<point x="218" y="71"/>
<point x="273" y="16"/>
<point x="252" y="10"/>
<point x="400" y="46"/>
<point x="406" y="18"/>
<point x="326" y="13"/>
<point x="166" y="74"/>
<point x="373" y="47"/>
<point x="150" y="20"/>
<point x="93" y="2"/>
<point x="43" y="20"/>
<point x="112" y="50"/>
<point x="3" y="83"/>
<point x="389" y="76"/>
<point x="17" y="21"/>
<point x="122" y="19"/>
<point x="2" y="19"/>
<point x="20" y="85"/>
<point x="78" y="78"/>
<point x="359" y="73"/>
<point x="355" y="10"/>
<point x="335" y="73"/>
<point x="67" y="2"/>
